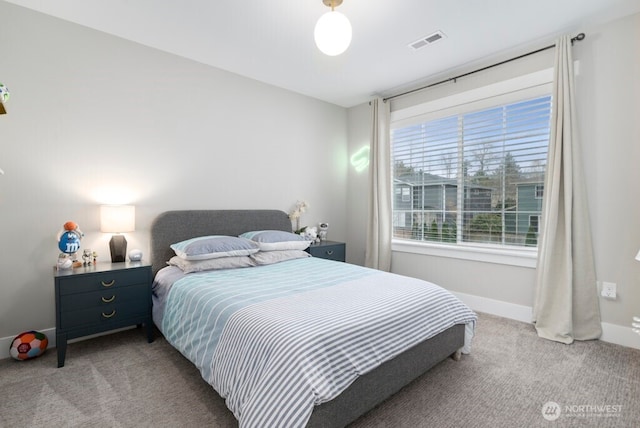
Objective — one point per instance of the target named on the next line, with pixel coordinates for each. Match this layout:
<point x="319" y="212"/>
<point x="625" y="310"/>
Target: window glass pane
<point x="475" y="178"/>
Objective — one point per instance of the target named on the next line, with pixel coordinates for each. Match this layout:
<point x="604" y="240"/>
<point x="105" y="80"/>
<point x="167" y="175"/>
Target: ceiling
<point x="272" y="40"/>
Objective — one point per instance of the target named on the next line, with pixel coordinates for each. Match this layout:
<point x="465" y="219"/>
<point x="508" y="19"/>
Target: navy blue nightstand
<point x="102" y="297"/>
<point x="330" y="250"/>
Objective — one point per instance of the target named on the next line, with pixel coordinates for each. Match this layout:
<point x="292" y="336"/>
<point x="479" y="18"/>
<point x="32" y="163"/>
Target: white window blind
<point x="474" y="177"/>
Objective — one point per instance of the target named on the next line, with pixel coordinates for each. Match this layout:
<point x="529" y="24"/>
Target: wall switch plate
<point x="609" y="290"/>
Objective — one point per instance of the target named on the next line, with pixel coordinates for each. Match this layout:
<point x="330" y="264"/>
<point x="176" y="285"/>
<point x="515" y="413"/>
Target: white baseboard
<point x="496" y="307"/>
<point x="5" y="342"/>
<point x="620" y="335"/>
<point x="612" y="333"/>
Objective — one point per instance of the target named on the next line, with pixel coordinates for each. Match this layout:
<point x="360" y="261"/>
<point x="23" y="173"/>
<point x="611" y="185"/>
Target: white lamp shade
<point x="333" y="33"/>
<point x="117" y="218"/>
<point x="638" y="256"/>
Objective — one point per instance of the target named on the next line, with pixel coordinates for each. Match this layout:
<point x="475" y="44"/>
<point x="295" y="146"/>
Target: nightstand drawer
<point x="71" y="302"/>
<point x="102" y="281"/>
<point x="109" y="313"/>
<point x="328" y="250"/>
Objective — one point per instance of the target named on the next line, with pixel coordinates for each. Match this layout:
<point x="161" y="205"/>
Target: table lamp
<point x="117" y="219"/>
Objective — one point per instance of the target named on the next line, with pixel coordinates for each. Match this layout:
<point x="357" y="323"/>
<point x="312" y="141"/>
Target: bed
<point x="339" y="396"/>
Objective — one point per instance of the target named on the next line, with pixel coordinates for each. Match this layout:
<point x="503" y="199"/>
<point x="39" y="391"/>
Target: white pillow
<point x="213" y="247"/>
<point x="270" y="257"/>
<point x="275" y="240"/>
<point x="188" y="266"/>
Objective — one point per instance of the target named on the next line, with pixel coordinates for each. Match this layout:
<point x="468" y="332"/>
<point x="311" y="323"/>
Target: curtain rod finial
<point x="579" y="37"/>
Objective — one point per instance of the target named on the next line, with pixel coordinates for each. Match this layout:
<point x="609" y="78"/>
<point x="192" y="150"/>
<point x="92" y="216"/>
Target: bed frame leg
<point x="457" y="356"/>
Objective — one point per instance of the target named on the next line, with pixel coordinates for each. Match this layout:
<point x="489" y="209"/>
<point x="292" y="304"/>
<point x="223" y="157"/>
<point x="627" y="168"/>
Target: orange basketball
<point x="70" y="225"/>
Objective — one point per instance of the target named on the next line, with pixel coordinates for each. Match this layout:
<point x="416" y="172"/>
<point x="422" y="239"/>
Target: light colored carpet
<point x="121" y="381"/>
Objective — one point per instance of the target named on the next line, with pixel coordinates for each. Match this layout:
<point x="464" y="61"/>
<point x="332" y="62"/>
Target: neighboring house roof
<point x="523" y="183"/>
<point x="423" y="178"/>
<point x="427" y="179"/>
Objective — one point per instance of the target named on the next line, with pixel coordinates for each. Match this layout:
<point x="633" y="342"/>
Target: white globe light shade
<point x="332" y="33"/>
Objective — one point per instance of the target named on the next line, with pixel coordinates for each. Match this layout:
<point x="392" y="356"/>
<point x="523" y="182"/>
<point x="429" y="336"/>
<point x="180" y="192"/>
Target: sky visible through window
<point x="432" y="147"/>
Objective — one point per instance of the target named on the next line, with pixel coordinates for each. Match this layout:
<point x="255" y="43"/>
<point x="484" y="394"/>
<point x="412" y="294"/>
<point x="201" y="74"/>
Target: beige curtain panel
<point x="378" y="251"/>
<point x="566" y="301"/>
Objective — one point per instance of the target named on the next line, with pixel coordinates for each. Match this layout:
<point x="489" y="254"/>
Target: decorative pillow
<point x="213" y="247"/>
<point x="272" y="240"/>
<point x="232" y="262"/>
<point x="271" y="257"/>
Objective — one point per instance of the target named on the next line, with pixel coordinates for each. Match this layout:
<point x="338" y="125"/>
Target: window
<point x="406" y="196"/>
<point x="474" y="174"/>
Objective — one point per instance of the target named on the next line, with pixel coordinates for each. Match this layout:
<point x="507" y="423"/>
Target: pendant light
<point x="333" y="30"/>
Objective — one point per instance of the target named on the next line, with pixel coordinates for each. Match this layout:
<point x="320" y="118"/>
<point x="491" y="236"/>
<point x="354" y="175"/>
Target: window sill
<point x="520" y="257"/>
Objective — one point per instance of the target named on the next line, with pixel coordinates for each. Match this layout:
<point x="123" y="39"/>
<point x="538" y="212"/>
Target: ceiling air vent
<point x="424" y="41"/>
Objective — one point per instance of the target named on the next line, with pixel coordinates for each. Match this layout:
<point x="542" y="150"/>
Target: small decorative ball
<point x="64" y="262"/>
<point x="69" y="242"/>
<point x="70" y="225"/>
<point x="4" y="94"/>
<point x="135" y="255"/>
<point x="27" y="345"/>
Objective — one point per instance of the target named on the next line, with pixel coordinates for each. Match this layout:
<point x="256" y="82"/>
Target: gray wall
<point x="96" y="119"/>
<point x="357" y="194"/>
<point x="608" y="105"/>
<point x="93" y="119"/>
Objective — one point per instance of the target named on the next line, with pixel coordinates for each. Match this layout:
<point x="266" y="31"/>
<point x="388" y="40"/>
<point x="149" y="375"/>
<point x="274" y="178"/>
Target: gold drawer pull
<point x="329" y="252"/>
<point x="109" y="300"/>
<point x="113" y="312"/>
<point x="108" y="284"/>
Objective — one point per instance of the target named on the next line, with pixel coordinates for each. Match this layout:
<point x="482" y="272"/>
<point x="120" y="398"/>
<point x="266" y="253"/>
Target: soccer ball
<point x="29" y="344"/>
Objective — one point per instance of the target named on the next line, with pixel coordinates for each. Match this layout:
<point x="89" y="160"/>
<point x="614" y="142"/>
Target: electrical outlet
<point x="609" y="290"/>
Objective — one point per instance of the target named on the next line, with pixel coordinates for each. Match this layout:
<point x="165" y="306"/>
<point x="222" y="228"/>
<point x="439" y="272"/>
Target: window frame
<point x="500" y="93"/>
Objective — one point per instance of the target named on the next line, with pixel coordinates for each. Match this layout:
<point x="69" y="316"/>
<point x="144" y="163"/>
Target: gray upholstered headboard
<point x="175" y="226"/>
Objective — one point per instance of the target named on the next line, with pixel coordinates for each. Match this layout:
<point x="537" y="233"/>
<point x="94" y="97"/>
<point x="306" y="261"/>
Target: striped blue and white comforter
<point x="276" y="340"/>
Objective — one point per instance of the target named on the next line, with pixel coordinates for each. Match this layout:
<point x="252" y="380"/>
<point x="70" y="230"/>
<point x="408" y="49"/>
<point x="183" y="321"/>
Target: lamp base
<point x="118" y="247"/>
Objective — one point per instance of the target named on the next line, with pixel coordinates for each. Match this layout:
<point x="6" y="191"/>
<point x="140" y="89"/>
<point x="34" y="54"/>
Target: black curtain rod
<point x="579" y="37"/>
